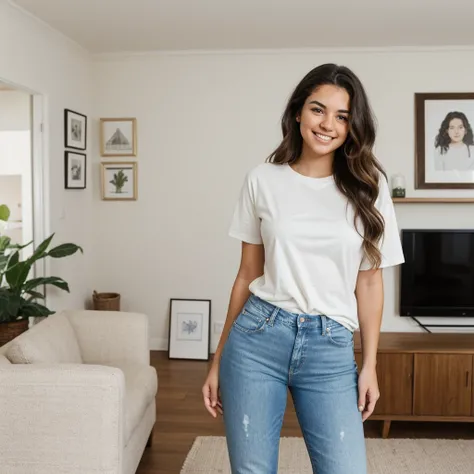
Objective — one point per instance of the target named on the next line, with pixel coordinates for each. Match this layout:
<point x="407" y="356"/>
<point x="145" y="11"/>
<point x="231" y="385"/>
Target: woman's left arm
<point x="369" y="295"/>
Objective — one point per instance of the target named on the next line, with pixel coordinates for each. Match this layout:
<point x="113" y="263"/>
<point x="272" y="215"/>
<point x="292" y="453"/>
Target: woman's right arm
<point x="251" y="267"/>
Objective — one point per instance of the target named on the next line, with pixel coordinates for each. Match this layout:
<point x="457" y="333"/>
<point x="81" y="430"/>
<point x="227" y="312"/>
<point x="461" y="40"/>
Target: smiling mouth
<point x="325" y="138"/>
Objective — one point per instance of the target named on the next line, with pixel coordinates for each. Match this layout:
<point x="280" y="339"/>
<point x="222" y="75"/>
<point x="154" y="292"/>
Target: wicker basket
<point x="8" y="331"/>
<point x="106" y="301"/>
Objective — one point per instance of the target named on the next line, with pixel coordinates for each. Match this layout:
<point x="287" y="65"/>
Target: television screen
<point x="437" y="278"/>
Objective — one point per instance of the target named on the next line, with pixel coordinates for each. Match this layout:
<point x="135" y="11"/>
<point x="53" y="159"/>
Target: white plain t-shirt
<point x="458" y="158"/>
<point x="312" y="251"/>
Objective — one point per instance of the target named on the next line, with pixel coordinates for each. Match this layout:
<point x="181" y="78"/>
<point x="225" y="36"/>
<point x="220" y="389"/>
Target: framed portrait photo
<point x="74" y="170"/>
<point x="118" y="137"/>
<point x="189" y="329"/>
<point x="444" y="154"/>
<point x="75" y="130"/>
<point x="119" y="181"/>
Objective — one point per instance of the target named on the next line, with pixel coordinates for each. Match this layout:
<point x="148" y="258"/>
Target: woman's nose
<point x="327" y="123"/>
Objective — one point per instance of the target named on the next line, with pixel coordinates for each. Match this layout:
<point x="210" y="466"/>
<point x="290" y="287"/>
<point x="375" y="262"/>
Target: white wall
<point x="203" y="121"/>
<point x="35" y="57"/>
<point x="14" y="110"/>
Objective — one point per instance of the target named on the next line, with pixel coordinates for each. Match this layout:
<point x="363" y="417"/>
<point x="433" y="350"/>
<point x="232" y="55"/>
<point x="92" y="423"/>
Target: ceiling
<point x="110" y="26"/>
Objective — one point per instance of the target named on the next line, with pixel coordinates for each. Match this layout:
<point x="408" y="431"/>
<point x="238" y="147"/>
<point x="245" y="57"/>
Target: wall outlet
<point x="218" y="327"/>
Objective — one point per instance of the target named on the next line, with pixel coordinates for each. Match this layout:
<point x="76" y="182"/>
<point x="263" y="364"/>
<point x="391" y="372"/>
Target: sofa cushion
<point x="141" y="386"/>
<point x="51" y="341"/>
<point x="4" y="361"/>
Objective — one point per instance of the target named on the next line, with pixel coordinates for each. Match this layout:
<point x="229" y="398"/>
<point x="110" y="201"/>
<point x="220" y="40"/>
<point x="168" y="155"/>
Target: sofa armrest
<point x="4" y="361"/>
<point x="61" y="418"/>
<point x="111" y="337"/>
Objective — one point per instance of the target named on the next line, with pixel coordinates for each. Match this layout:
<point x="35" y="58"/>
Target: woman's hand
<point x="210" y="392"/>
<point x="368" y="391"/>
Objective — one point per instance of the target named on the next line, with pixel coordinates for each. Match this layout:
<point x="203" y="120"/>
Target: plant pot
<point x="8" y="331"/>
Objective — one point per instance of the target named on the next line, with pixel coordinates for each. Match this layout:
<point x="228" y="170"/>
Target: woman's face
<point x="324" y="120"/>
<point x="456" y="130"/>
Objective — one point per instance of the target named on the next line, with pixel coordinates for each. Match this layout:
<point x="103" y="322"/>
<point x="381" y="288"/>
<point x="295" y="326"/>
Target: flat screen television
<point x="437" y="278"/>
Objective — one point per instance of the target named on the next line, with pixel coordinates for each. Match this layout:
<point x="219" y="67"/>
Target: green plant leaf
<point x="55" y="281"/>
<point x="34" y="309"/>
<point x="9" y="305"/>
<point x="7" y="262"/>
<point x="17" y="274"/>
<point x="3" y="262"/>
<point x="13" y="259"/>
<point x="64" y="250"/>
<point x="40" y="252"/>
<point x="34" y="295"/>
<point x="4" y="242"/>
<point x="4" y="212"/>
<point x="20" y="247"/>
<point x="11" y="262"/>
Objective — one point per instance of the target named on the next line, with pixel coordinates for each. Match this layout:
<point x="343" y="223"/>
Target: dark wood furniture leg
<point x="386" y="428"/>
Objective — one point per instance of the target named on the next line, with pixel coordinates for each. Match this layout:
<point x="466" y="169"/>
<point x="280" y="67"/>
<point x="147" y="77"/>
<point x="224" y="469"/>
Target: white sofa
<point x="77" y="395"/>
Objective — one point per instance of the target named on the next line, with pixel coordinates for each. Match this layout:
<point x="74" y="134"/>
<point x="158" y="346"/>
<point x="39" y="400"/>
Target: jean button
<point x="301" y="320"/>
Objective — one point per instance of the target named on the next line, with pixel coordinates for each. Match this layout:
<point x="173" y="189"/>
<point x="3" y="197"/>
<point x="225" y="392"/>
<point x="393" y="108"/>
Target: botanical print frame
<point x="118" y="137"/>
<point x="189" y="329"/>
<point x="75" y="130"/>
<point x="444" y="148"/>
<point x="75" y="170"/>
<point x="119" y="181"/>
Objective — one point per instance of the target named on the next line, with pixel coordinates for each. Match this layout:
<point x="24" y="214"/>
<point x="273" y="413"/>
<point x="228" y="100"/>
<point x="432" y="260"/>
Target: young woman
<point x="317" y="226"/>
<point x="454" y="144"/>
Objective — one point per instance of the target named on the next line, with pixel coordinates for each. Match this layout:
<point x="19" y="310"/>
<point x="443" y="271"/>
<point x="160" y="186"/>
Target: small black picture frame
<point x="189" y="336"/>
<point x="75" y="170"/>
<point x="75" y="130"/>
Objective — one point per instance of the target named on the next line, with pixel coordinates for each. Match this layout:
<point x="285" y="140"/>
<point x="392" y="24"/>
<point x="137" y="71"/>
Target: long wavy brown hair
<point x="355" y="168"/>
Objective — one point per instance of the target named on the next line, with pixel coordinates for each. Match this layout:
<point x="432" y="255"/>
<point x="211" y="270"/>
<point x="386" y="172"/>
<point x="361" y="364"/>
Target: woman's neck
<point x="314" y="166"/>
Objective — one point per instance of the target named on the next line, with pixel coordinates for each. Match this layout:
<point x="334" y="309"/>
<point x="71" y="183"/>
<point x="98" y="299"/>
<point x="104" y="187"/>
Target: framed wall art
<point x="189" y="329"/>
<point x="444" y="148"/>
<point x="119" y="181"/>
<point x="118" y="137"/>
<point x="75" y="130"/>
<point x="75" y="167"/>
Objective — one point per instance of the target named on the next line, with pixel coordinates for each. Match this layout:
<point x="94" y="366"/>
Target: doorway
<point x="21" y="168"/>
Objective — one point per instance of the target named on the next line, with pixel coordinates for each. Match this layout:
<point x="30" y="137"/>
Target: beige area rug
<point x="208" y="455"/>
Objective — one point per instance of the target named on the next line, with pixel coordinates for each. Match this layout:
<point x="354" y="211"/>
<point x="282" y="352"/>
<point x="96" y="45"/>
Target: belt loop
<point x="323" y="324"/>
<point x="273" y="315"/>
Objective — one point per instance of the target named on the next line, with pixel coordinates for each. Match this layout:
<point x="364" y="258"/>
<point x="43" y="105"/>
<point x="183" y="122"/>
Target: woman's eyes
<point x="317" y="110"/>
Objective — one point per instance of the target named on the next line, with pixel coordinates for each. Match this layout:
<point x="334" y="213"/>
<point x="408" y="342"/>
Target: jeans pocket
<point x="339" y="335"/>
<point x="250" y="320"/>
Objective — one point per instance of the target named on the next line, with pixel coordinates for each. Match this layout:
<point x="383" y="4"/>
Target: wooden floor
<point x="181" y="417"/>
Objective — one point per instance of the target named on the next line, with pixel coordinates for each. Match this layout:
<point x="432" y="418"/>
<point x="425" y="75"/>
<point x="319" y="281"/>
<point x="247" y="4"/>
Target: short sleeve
<point x="245" y="224"/>
<point x="390" y="245"/>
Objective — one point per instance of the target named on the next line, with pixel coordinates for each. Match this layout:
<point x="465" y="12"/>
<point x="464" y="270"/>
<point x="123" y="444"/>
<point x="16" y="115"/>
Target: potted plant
<point x="19" y="295"/>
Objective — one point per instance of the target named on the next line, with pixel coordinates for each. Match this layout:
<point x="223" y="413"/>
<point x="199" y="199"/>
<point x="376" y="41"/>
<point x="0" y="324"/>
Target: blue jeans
<point x="269" y="350"/>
